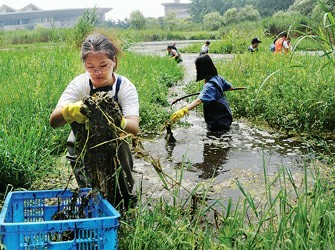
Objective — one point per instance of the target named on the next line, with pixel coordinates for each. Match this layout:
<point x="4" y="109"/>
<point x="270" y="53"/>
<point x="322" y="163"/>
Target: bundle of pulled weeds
<point x="97" y="144"/>
<point x="98" y="141"/>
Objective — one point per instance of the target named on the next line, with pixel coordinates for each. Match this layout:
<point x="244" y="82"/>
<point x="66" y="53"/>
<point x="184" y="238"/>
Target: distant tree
<point x="171" y="21"/>
<point x="199" y="8"/>
<point x="330" y="5"/>
<point x="84" y="25"/>
<point x="160" y="20"/>
<point x="282" y="21"/>
<point x="248" y="13"/>
<point x="137" y="20"/>
<point x="316" y="15"/>
<point x="152" y="23"/>
<point x="269" y="7"/>
<point x="212" y="21"/>
<point x="231" y="16"/>
<point x="320" y="9"/>
<point x="187" y="25"/>
<point x="305" y="7"/>
<point x="123" y="24"/>
<point x="228" y="4"/>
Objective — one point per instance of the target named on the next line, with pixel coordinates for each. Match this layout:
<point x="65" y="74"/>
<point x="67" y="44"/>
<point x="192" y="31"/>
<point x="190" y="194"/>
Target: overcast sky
<point x="121" y="8"/>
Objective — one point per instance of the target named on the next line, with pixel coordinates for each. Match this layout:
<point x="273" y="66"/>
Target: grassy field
<point x="295" y="95"/>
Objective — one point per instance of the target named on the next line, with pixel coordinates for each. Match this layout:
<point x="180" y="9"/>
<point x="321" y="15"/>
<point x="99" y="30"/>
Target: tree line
<point x="213" y="14"/>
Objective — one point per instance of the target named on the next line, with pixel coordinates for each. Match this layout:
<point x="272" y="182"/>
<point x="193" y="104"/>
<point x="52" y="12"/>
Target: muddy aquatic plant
<point x="99" y="141"/>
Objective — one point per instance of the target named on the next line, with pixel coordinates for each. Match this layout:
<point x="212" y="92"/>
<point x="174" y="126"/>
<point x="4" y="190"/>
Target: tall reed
<point x="30" y="80"/>
<point x="287" y="212"/>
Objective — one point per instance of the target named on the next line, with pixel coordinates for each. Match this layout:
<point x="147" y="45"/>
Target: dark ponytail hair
<point x="205" y="68"/>
<point x="99" y="43"/>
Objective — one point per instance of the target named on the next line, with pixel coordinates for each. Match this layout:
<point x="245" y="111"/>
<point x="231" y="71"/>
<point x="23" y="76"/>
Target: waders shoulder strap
<point x="117" y="88"/>
<point x="107" y="88"/>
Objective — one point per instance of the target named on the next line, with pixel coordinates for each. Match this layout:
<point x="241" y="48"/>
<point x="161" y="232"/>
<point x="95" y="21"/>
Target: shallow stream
<point x="244" y="153"/>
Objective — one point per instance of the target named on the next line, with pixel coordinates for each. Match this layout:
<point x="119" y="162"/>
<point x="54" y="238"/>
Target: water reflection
<point x="214" y="158"/>
<point x="169" y="146"/>
<point x="215" y="154"/>
<point x="206" y="155"/>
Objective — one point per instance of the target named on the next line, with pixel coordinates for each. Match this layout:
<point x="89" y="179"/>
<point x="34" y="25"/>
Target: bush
<point x="84" y="26"/>
<point x="282" y="21"/>
<point x="212" y="21"/>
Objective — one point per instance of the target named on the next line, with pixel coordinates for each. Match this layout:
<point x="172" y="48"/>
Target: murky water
<point x="215" y="160"/>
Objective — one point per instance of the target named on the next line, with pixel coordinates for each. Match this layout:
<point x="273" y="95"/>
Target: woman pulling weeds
<point x="218" y="115"/>
<point x="99" y="55"/>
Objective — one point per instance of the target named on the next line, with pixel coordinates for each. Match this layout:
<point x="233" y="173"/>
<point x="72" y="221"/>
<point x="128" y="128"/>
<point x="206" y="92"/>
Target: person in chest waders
<point x="217" y="113"/>
<point x="99" y="55"/>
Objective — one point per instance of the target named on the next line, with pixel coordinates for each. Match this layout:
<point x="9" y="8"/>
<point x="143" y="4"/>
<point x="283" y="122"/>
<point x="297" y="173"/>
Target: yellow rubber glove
<point x="179" y="114"/>
<point x="123" y="123"/>
<point x="71" y="112"/>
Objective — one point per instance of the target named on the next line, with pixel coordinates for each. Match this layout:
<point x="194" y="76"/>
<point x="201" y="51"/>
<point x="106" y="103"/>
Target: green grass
<point x="288" y="213"/>
<point x="33" y="79"/>
<point x="239" y="45"/>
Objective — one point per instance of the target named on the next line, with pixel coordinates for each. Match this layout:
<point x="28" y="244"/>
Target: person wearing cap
<point x="205" y="48"/>
<point x="254" y="45"/>
<point x="217" y="113"/>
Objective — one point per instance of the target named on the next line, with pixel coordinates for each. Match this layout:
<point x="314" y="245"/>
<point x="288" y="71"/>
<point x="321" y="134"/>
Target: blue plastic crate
<point x="26" y="221"/>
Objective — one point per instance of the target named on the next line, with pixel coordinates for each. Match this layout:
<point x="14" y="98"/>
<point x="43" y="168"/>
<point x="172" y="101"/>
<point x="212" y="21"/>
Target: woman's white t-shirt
<point x="80" y="87"/>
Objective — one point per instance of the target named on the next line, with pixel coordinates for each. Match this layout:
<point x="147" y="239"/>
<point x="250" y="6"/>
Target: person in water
<point x="217" y="113"/>
<point x="174" y="53"/>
